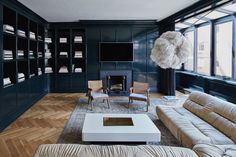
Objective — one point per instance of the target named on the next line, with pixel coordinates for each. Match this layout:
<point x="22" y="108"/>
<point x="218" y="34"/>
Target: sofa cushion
<point x="217" y="112"/>
<point x="188" y="128"/>
<point x="208" y="150"/>
<point x="72" y="150"/>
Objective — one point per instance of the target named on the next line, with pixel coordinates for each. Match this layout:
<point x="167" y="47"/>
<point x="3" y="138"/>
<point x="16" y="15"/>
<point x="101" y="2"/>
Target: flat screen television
<point x="116" y="51"/>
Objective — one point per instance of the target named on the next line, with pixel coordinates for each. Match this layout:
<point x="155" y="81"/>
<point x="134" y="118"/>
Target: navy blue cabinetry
<point x="8" y="101"/>
<point x="23" y="65"/>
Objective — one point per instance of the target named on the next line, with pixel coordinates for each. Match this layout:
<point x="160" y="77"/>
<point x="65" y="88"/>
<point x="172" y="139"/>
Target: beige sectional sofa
<point x="76" y="150"/>
<point x="203" y="119"/>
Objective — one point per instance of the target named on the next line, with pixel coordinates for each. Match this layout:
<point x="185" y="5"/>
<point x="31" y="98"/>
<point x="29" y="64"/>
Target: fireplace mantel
<point x="104" y="74"/>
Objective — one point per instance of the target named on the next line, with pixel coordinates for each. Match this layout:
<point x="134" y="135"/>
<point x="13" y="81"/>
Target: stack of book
<point x="48" y="70"/>
<point x="40" y="54"/>
<point x="21" y="77"/>
<point x="78" y="54"/>
<point x="21" y="33"/>
<point x="40" y="38"/>
<point x="6" y="81"/>
<point x="63" y="69"/>
<point x="20" y="54"/>
<point x="32" y="75"/>
<point x="78" y="70"/>
<point x="48" y="40"/>
<point x="39" y="71"/>
<point x="8" y="29"/>
<point x="32" y="35"/>
<point x="78" y="39"/>
<point x="63" y="55"/>
<point x="48" y="54"/>
<point x="31" y="54"/>
<point x="7" y="54"/>
<point x="63" y="40"/>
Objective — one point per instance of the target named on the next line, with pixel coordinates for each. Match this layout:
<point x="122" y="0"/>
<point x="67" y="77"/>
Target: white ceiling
<point x="74" y="10"/>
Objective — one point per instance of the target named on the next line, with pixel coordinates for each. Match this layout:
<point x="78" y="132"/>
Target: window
<point x="188" y="65"/>
<point x="203" y="49"/>
<point x="223" y="49"/>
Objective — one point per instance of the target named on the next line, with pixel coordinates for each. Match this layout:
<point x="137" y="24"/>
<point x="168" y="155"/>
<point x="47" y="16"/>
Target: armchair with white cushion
<point x="97" y="91"/>
<point x="140" y="92"/>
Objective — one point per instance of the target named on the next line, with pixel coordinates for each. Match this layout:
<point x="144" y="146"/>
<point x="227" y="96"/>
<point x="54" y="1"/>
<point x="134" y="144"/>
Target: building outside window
<point x="223" y="49"/>
<point x="189" y="64"/>
<point x="203" y="49"/>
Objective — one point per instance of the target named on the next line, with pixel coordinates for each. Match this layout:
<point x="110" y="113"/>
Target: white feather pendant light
<point x="171" y="50"/>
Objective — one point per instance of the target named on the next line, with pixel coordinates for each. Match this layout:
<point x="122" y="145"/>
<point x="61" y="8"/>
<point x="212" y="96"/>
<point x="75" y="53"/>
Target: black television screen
<point x="116" y="52"/>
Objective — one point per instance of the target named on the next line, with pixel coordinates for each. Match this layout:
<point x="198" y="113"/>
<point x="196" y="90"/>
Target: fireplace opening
<point x="116" y="83"/>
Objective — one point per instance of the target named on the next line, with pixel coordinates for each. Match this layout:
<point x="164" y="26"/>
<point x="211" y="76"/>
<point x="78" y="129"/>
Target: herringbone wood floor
<point x="42" y="123"/>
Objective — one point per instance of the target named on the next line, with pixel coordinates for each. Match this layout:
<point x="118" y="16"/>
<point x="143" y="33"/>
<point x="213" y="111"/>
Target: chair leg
<point x="88" y="100"/>
<point x="148" y="103"/>
<point x="129" y="102"/>
<point x="147" y="108"/>
<point x="91" y="105"/>
<point x="108" y="102"/>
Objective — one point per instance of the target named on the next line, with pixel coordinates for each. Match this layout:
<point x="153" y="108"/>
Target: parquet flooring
<point x="42" y="123"/>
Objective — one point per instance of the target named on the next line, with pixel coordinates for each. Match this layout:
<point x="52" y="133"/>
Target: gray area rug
<point x="72" y="133"/>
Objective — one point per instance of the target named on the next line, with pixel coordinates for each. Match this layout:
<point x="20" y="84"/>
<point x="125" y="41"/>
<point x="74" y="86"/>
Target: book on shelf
<point x="32" y="35"/>
<point x="20" y="54"/>
<point x="40" y="54"/>
<point x="40" y="38"/>
<point x="78" y="70"/>
<point x="48" y="70"/>
<point x="48" y="40"/>
<point x="64" y="54"/>
<point x="31" y="54"/>
<point x="62" y="40"/>
<point x="63" y="69"/>
<point x="8" y="29"/>
<point x="48" y="55"/>
<point x="78" y="39"/>
<point x="21" y="33"/>
<point x="21" y="77"/>
<point x="170" y="98"/>
<point x="6" y="81"/>
<point x="7" y="54"/>
<point x="78" y="54"/>
<point x="39" y="71"/>
<point x="32" y="75"/>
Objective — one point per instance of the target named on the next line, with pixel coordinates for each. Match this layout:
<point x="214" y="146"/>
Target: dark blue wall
<point x="141" y="33"/>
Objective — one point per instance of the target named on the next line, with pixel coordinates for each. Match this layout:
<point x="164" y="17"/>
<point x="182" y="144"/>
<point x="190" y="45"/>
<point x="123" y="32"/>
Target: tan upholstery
<point x="75" y="150"/>
<point x="140" y="92"/>
<point x="96" y="91"/>
<point x="207" y="150"/>
<point x="140" y="87"/>
<point x="218" y="113"/>
<point x="95" y="85"/>
<point x="202" y="119"/>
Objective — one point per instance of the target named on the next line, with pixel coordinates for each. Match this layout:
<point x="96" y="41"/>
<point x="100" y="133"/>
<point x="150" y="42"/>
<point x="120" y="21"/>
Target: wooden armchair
<point x="97" y="91"/>
<point x="140" y="92"/>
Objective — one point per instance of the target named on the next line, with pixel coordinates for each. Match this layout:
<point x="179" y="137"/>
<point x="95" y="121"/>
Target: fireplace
<point x="117" y="82"/>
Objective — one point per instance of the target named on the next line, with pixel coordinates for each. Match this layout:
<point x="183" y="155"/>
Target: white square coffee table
<point x="142" y="130"/>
